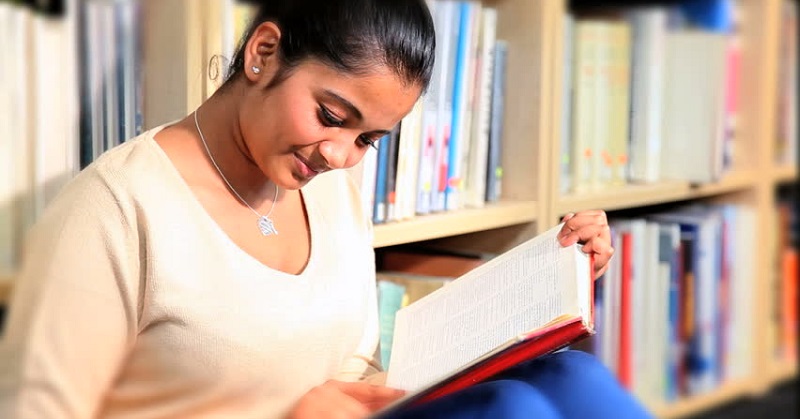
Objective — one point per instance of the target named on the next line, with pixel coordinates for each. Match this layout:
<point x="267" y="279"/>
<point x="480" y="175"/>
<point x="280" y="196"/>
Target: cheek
<point x="300" y="125"/>
<point x="283" y="126"/>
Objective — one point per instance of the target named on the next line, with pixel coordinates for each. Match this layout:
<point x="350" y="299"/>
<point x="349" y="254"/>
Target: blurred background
<point x="679" y="118"/>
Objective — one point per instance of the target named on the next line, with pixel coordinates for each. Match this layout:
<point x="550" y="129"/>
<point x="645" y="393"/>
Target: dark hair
<point x="355" y="36"/>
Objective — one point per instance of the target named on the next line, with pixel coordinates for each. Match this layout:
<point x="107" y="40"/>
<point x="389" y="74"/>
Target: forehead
<point x="381" y="95"/>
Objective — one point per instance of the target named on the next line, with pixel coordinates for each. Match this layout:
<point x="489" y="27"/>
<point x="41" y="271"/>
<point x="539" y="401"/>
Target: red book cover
<point x="532" y="346"/>
<point x="789" y="326"/>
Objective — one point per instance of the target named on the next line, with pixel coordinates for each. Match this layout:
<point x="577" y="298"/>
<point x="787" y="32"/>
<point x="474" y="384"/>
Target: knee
<point x="573" y="362"/>
<point x="509" y="390"/>
<point x="513" y="399"/>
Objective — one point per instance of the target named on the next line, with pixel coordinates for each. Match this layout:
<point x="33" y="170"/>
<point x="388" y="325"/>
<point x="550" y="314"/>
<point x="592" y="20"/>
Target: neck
<point x="218" y="119"/>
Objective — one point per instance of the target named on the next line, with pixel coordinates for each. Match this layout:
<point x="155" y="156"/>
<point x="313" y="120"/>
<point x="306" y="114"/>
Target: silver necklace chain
<point x="265" y="224"/>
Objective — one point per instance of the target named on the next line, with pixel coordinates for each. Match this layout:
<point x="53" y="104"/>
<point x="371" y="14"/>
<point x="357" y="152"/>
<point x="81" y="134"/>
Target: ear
<point x="261" y="52"/>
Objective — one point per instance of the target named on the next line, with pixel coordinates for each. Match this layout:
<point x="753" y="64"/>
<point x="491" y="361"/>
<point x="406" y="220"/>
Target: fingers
<point x="602" y="251"/>
<point x="601" y="271"/>
<point x="369" y="394"/>
<point x="582" y="227"/>
<point x="590" y="228"/>
<point x="327" y="400"/>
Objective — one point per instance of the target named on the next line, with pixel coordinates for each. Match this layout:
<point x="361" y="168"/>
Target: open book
<point x="532" y="300"/>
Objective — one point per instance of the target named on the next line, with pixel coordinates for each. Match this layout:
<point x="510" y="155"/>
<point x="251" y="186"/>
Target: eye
<point x="367" y="142"/>
<point x="328" y="118"/>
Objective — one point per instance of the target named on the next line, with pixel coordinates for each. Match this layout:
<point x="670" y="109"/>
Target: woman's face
<point x="319" y="119"/>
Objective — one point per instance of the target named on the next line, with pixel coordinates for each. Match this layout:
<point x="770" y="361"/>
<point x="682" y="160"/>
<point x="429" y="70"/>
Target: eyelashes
<point x="367" y="141"/>
<point x="328" y="119"/>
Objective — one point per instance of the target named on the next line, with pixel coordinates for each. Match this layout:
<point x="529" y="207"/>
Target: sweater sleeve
<point x="365" y="361"/>
<point x="74" y="310"/>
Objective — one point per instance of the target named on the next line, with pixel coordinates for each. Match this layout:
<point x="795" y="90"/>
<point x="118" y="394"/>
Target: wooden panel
<point x="683" y="408"/>
<point x="172" y="60"/>
<point x="5" y="288"/>
<point x="526" y="27"/>
<point x="782" y="371"/>
<point x="784" y="174"/>
<point x="757" y="122"/>
<point x="453" y="223"/>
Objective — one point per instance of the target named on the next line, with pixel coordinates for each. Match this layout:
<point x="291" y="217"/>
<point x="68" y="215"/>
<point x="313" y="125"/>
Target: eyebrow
<point x="351" y="108"/>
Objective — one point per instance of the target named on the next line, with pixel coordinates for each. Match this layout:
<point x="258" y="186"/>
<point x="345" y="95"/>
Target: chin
<point x="293" y="182"/>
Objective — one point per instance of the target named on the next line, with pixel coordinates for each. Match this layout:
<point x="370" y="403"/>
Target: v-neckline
<point x="197" y="206"/>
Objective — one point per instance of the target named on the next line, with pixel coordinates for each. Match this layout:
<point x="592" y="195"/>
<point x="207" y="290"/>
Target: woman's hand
<point x="342" y="400"/>
<point x="591" y="229"/>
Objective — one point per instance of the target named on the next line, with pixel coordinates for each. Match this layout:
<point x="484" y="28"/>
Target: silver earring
<point x="256" y="70"/>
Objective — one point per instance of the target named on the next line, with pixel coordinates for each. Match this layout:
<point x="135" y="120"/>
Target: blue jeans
<point x="562" y="385"/>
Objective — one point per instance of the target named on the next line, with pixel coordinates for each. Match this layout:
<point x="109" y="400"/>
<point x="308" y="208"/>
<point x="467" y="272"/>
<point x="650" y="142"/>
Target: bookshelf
<point x="177" y="44"/>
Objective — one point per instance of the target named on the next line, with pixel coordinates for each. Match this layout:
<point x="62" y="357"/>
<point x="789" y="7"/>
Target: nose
<point x="337" y="153"/>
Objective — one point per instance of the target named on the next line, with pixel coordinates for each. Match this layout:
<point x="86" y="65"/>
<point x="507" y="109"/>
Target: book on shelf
<point x="529" y="301"/>
<point x="672" y="310"/>
<point x="494" y="171"/>
<point x="627" y="77"/>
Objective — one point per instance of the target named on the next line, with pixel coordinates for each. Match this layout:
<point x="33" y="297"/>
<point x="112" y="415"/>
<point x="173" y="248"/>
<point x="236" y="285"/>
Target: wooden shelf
<point x="784" y="174"/>
<point x="781" y="371"/>
<point x="693" y="405"/>
<point x="452" y="223"/>
<point x="636" y="195"/>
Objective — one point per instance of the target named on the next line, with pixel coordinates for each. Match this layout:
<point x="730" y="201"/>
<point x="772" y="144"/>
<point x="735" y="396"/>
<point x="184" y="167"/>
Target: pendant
<point x="266" y="226"/>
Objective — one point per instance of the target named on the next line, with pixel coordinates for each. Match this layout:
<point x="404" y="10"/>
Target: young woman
<point x="221" y="265"/>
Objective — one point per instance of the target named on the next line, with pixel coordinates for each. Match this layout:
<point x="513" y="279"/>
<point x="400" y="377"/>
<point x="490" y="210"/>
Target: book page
<point x="515" y="293"/>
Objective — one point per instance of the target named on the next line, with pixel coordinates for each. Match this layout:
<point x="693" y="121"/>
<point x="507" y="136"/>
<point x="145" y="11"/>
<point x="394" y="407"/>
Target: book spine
<point x="379" y="209"/>
<point x="624" y="373"/>
<point x="431" y="115"/>
<point x="445" y="112"/>
<point x="461" y="79"/>
<point x="494" y="172"/>
<point x="565" y="158"/>
<point x="479" y="144"/>
<point x="391" y="173"/>
<point x="410" y="143"/>
<point x="647" y="84"/>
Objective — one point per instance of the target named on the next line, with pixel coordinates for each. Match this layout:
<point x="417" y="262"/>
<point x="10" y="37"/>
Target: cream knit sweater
<point x="133" y="303"/>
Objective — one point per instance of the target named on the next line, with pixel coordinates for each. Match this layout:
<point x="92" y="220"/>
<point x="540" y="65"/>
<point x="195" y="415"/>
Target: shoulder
<point x="109" y="186"/>
<point x="135" y="160"/>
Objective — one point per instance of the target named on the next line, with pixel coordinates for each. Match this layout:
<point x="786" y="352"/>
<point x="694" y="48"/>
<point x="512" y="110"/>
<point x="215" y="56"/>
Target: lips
<point x="308" y="169"/>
